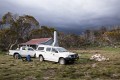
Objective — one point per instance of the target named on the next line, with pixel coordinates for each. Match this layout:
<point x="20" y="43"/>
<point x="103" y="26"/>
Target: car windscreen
<point x="61" y="49"/>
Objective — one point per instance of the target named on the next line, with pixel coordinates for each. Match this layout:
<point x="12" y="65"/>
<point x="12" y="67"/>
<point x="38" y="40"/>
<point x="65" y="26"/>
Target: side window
<point x="48" y="49"/>
<point x="41" y="48"/>
<point x="54" y="50"/>
<point x="30" y="49"/>
<point x="23" y="48"/>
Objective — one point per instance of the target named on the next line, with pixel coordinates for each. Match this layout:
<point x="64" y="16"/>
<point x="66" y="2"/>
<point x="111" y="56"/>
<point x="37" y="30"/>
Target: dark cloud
<point x="67" y="15"/>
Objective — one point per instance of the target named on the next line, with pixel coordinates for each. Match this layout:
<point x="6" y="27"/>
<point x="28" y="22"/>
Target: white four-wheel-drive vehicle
<point x="23" y="52"/>
<point x="46" y="52"/>
<point x="55" y="54"/>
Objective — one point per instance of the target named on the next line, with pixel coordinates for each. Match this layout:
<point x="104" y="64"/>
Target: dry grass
<point x="83" y="69"/>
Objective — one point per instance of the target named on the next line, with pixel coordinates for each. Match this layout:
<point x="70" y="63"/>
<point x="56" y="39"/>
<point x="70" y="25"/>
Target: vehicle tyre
<point x="62" y="61"/>
<point x="16" y="56"/>
<point x="41" y="59"/>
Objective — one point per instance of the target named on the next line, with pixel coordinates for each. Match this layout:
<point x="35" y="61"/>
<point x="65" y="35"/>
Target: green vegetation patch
<point x="83" y="69"/>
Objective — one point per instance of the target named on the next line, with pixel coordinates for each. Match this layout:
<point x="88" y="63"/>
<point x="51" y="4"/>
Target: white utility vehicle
<point x="55" y="54"/>
<point x="23" y="52"/>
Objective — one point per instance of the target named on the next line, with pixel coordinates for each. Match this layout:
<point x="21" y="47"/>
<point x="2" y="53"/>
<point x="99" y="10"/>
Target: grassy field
<point x="83" y="69"/>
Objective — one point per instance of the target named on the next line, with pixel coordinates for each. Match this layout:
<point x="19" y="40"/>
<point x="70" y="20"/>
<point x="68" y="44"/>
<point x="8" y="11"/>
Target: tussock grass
<point x="83" y="69"/>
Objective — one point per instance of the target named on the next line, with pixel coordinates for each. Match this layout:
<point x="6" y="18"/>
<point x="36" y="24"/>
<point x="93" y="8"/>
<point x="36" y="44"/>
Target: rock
<point x="98" y="57"/>
<point x="94" y="65"/>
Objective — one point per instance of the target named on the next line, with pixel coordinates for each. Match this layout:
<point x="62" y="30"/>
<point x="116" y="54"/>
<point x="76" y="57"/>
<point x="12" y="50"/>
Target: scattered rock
<point x="94" y="65"/>
<point x="116" y="76"/>
<point x="98" y="57"/>
<point x="45" y="78"/>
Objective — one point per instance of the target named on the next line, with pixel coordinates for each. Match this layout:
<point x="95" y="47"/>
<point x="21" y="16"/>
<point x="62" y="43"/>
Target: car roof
<point x="48" y="46"/>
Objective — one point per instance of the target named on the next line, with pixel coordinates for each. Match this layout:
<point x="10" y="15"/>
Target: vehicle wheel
<point x="41" y="58"/>
<point x="16" y="56"/>
<point x="62" y="61"/>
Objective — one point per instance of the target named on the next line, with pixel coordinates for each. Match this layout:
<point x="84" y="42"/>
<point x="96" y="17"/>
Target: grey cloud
<point x="67" y="14"/>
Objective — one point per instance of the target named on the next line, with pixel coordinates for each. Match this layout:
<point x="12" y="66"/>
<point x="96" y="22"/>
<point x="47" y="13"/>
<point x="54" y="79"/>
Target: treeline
<point x="15" y="29"/>
<point x="104" y="36"/>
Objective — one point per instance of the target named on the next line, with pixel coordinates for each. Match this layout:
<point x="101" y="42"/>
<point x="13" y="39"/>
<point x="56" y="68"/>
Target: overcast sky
<point x="67" y="15"/>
